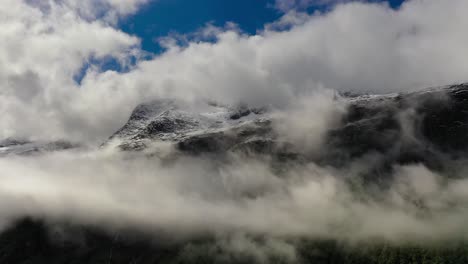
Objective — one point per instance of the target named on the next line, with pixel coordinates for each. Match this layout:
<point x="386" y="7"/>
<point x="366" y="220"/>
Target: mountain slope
<point x="420" y="127"/>
<point x="383" y="132"/>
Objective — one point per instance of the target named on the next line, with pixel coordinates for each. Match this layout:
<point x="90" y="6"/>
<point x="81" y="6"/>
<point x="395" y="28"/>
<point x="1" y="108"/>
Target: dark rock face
<point x="220" y="129"/>
<point x="235" y="138"/>
<point x="422" y="127"/>
<point x="244" y="110"/>
<point x="165" y="125"/>
<point x="445" y="122"/>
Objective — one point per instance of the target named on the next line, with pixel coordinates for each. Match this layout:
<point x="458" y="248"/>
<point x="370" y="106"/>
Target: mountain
<point x="428" y="127"/>
<point x="384" y="131"/>
<point x="208" y="128"/>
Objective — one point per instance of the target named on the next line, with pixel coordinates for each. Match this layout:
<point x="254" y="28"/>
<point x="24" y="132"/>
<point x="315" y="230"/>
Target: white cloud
<point x="43" y="51"/>
<point x="356" y="46"/>
<point x="107" y="10"/>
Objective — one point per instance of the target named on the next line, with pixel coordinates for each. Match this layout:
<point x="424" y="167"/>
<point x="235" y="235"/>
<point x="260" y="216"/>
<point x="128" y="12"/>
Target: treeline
<point x="381" y="253"/>
<point x="330" y="252"/>
<point x="33" y="242"/>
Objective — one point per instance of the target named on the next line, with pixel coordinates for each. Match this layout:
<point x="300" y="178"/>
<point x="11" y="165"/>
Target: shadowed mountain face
<point x="385" y="131"/>
<point x="429" y="127"/>
<point x="432" y="120"/>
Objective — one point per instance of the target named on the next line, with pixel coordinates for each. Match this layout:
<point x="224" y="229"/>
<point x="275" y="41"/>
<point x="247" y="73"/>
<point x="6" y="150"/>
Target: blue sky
<point x="161" y="17"/>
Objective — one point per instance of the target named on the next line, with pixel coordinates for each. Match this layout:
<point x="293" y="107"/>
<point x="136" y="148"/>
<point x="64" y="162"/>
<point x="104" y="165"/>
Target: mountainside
<point x="382" y="131"/>
<point x="213" y="128"/>
<point x="429" y="127"/>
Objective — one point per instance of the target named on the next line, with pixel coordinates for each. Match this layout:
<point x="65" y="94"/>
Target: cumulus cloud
<point x="45" y="49"/>
<point x="354" y="47"/>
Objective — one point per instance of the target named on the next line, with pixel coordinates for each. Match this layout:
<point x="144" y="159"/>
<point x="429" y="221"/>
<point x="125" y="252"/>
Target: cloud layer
<point x="193" y="196"/>
<point x="355" y="47"/>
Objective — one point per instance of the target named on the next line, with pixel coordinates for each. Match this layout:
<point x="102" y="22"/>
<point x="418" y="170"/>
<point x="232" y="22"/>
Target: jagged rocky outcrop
<point x="214" y="128"/>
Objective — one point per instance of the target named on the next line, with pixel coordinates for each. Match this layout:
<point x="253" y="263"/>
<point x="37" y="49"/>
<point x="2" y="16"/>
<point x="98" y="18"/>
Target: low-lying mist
<point x="192" y="196"/>
<point x="256" y="204"/>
